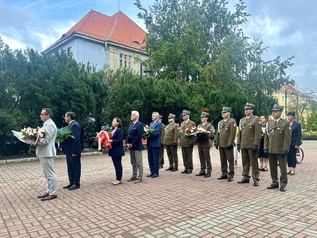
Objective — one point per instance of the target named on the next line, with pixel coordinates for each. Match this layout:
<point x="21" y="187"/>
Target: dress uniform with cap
<point x="226" y="133"/>
<point x="186" y="143"/>
<point x="171" y="143"/>
<point x="248" y="142"/>
<point x="204" y="144"/>
<point x="277" y="142"/>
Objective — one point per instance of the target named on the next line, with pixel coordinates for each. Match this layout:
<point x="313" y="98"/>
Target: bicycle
<point x="299" y="155"/>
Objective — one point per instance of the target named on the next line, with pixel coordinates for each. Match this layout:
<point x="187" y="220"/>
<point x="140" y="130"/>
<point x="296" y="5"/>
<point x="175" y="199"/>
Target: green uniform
<point x="278" y="138"/>
<point x="204" y="145"/>
<point x="225" y="137"/>
<point x="187" y="145"/>
<point x="162" y="146"/>
<point x="170" y="142"/>
<point x="248" y="137"/>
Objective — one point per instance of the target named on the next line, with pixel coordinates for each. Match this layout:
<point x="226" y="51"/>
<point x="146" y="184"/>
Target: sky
<point x="287" y="27"/>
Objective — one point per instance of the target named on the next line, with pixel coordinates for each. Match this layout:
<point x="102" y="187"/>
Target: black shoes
<point x="230" y="179"/>
<point x="207" y="175"/>
<point x="272" y="186"/>
<point x="68" y="186"/>
<point x="223" y="177"/>
<point x="73" y="187"/>
<point x="244" y="181"/>
<point x="169" y="169"/>
<point x="184" y="172"/>
<point x="154" y="176"/>
<point x="201" y="174"/>
<point x="188" y="172"/>
<point x="150" y="175"/>
<point x="283" y="189"/>
<point x="256" y="183"/>
<point x="173" y="170"/>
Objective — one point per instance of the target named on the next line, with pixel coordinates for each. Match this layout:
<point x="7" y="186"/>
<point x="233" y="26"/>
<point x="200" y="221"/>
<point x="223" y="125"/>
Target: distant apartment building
<point x="105" y="41"/>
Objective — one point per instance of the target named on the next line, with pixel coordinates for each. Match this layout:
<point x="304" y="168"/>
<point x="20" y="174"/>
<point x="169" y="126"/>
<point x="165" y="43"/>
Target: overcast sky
<point x="287" y="27"/>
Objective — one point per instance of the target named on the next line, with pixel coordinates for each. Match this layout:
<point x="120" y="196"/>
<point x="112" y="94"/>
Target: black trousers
<point x="291" y="157"/>
<point x="73" y="169"/>
<point x="117" y="166"/>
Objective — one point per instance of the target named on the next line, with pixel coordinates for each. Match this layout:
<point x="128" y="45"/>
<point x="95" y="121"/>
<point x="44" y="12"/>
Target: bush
<point x="309" y="135"/>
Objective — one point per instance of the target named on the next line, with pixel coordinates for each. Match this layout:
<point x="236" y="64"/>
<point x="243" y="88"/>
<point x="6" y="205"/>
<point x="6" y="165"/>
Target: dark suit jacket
<point x="117" y="144"/>
<point x="155" y="138"/>
<point x="296" y="134"/>
<point x="73" y="145"/>
<point x="135" y="133"/>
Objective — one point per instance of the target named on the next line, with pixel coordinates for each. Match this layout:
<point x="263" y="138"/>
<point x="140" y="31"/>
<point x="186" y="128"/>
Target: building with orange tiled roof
<point x="112" y="41"/>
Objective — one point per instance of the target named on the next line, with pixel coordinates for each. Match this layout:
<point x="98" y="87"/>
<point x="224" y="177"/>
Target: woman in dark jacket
<point x="117" y="151"/>
<point x="296" y="141"/>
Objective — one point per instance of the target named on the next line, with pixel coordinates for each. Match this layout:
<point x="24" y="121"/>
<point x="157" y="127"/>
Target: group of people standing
<point x="274" y="141"/>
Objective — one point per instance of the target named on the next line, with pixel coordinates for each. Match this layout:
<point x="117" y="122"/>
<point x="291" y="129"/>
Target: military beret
<point x="277" y="107"/>
<point x="226" y="109"/>
<point x="171" y="116"/>
<point x="185" y="112"/>
<point x="249" y="106"/>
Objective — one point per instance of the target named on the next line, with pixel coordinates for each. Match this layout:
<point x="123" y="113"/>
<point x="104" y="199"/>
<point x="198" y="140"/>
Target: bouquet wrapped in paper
<point x="147" y="132"/>
<point x="63" y="134"/>
<point x="29" y="135"/>
<point x="203" y="134"/>
<point x="103" y="138"/>
<point x="190" y="132"/>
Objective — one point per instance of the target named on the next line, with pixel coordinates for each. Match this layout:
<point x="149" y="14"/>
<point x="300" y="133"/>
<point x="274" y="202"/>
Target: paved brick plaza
<point x="173" y="205"/>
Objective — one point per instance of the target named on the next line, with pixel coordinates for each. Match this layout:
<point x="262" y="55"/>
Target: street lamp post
<point x="141" y="74"/>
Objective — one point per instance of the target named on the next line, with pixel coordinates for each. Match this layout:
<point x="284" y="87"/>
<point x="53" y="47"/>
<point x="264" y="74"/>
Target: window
<point x="125" y="61"/>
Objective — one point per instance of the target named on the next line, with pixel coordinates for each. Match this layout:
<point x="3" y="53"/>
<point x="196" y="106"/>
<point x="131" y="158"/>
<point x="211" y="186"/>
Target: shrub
<point x="309" y="135"/>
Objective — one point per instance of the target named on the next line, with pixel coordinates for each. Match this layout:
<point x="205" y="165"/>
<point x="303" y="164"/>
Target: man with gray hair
<point x="134" y="143"/>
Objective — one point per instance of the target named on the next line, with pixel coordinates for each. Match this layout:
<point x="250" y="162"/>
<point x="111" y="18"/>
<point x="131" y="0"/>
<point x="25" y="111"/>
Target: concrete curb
<point x="31" y="159"/>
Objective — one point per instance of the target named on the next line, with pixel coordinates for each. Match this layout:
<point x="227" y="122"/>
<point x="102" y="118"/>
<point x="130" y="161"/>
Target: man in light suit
<point x="154" y="145"/>
<point x="72" y="148"/>
<point x="46" y="152"/>
<point x="134" y="143"/>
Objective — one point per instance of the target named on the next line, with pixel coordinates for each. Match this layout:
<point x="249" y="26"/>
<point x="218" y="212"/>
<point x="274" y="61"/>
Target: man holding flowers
<point x="46" y="152"/>
<point x="72" y="148"/>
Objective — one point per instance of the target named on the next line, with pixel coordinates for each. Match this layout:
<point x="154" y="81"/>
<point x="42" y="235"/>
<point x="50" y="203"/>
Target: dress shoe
<point x="230" y="179"/>
<point x="223" y="177"/>
<point x="139" y="180"/>
<point x="283" y="189"/>
<point x="201" y="174"/>
<point x="43" y="196"/>
<point x="184" y="172"/>
<point x="207" y="175"/>
<point x="188" y="172"/>
<point x="272" y="186"/>
<point x="168" y="169"/>
<point x="262" y="169"/>
<point x="49" y="197"/>
<point x="244" y="181"/>
<point x="68" y="186"/>
<point x="292" y="173"/>
<point x="256" y="183"/>
<point x="73" y="187"/>
<point x="289" y="172"/>
<point x="154" y="176"/>
<point x="149" y="175"/>
<point x="132" y="179"/>
<point x="173" y="170"/>
<point x="161" y="166"/>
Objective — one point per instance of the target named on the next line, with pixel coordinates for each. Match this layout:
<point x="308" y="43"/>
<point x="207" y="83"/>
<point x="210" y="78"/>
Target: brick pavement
<point x="173" y="205"/>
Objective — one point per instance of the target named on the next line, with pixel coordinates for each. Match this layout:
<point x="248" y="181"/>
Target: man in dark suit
<point x="72" y="148"/>
<point x="134" y="143"/>
<point x="154" y="145"/>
